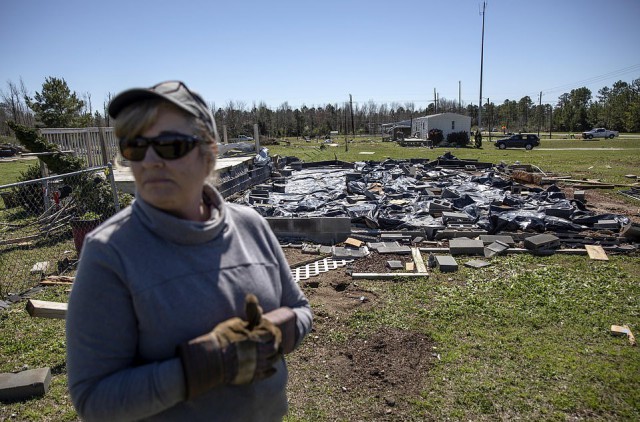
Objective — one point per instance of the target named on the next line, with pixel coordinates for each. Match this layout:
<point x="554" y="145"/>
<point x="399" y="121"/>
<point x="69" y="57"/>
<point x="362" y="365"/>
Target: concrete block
<point x="40" y="267"/>
<point x="400" y="250"/>
<point x="606" y="225"/>
<point x="541" y="241"/>
<point x="455" y="217"/>
<point x="25" y="384"/>
<point x="377" y="245"/>
<point x="465" y="246"/>
<point x="631" y="231"/>
<point x="559" y="212"/>
<point x="395" y="265"/>
<point x="394" y="236"/>
<point x="324" y="230"/>
<point x="349" y="253"/>
<point x="448" y="193"/>
<point x="476" y="263"/>
<point x="580" y="195"/>
<point x="488" y="239"/>
<point x="446" y="263"/>
<point x="495" y="248"/>
<point x="452" y="233"/>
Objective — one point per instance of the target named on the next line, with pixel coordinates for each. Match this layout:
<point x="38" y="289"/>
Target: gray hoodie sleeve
<point x="104" y="381"/>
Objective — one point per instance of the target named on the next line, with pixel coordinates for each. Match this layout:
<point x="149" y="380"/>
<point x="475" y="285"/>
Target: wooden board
<point x="353" y="242"/>
<point x="417" y="258"/>
<point x="44" y="309"/>
<point x="596" y="252"/>
<point x="384" y="276"/>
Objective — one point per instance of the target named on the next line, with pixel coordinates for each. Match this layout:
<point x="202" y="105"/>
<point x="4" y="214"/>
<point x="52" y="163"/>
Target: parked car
<point x="519" y="140"/>
<point x="599" y="132"/>
<point x="245" y="138"/>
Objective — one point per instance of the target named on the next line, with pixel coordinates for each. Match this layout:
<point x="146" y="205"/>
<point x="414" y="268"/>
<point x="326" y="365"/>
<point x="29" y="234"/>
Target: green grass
<point x="599" y="161"/>
<point x="526" y="338"/>
<point x="10" y="170"/>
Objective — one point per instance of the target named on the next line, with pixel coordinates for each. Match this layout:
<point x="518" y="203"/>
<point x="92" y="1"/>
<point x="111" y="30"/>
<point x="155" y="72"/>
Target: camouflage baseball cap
<point x="176" y="92"/>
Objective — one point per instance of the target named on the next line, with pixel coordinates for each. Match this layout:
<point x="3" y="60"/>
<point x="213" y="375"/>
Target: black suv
<point x="519" y="140"/>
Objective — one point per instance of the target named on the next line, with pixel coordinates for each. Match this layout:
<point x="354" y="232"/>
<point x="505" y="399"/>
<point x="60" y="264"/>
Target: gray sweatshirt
<point x="148" y="281"/>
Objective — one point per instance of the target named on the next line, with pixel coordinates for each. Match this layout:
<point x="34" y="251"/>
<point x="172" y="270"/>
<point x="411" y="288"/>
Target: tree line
<point x="616" y="107"/>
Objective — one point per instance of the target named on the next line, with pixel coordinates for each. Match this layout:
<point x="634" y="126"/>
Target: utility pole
<point x="540" y="107"/>
<point x="490" y="118"/>
<point x="353" y="123"/>
<point x="484" y="5"/>
<point x="459" y="97"/>
<point x="435" y="102"/>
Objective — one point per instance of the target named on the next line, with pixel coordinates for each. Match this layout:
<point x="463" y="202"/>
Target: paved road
<point x="587" y="149"/>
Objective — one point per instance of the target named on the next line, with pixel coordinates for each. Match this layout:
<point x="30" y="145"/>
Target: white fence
<point x="97" y="146"/>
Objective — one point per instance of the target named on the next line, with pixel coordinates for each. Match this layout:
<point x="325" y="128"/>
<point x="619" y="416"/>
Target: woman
<point x="163" y="320"/>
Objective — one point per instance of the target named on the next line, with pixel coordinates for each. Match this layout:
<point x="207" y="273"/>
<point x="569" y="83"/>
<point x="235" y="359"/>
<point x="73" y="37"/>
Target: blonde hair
<point x="136" y="118"/>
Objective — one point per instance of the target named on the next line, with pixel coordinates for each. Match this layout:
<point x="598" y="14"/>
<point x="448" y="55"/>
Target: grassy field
<point x="526" y="338"/>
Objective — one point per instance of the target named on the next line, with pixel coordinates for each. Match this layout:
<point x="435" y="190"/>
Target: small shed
<point x="446" y="122"/>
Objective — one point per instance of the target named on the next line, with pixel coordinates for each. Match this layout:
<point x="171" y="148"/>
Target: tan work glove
<point x="235" y="352"/>
<point x="285" y="319"/>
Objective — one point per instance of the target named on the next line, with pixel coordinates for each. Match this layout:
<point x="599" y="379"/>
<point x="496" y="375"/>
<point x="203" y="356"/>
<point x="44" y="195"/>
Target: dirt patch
<point x="381" y="371"/>
<point x="377" y="263"/>
<point x="602" y="203"/>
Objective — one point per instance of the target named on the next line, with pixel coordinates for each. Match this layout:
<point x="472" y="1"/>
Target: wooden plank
<point x="353" y="242"/>
<point x="417" y="258"/>
<point x="44" y="309"/>
<point x="623" y="330"/>
<point x="385" y="276"/>
<point x="60" y="278"/>
<point x="410" y="266"/>
<point x="596" y="252"/>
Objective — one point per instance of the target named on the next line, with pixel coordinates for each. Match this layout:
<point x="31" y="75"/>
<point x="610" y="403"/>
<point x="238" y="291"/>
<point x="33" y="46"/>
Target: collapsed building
<point x="441" y="199"/>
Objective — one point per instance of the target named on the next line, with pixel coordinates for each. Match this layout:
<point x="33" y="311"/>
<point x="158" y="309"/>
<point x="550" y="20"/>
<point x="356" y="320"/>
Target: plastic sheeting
<point x="398" y="194"/>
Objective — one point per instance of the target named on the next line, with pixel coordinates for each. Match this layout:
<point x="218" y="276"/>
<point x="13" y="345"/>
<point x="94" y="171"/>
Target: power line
<point x="594" y="79"/>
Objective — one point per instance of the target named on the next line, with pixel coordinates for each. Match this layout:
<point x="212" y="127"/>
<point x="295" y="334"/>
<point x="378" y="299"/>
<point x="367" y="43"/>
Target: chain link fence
<point x="43" y="223"/>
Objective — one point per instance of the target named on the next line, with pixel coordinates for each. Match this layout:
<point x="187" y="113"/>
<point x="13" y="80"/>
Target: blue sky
<point x="319" y="52"/>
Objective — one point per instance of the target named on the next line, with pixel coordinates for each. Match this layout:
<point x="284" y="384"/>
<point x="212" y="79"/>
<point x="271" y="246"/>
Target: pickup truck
<point x="599" y="132"/>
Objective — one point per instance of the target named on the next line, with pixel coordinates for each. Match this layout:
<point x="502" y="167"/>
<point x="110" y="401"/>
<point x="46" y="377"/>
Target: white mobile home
<point x="446" y="122"/>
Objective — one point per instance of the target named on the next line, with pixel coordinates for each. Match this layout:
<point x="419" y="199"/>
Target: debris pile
<point x="443" y="199"/>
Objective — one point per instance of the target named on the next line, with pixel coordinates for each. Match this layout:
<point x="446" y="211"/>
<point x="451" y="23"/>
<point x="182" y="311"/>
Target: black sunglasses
<point x="168" y="146"/>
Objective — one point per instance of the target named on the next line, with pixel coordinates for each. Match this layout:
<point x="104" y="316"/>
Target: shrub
<point x="30" y="196"/>
<point x="435" y="135"/>
<point x="458" y="138"/>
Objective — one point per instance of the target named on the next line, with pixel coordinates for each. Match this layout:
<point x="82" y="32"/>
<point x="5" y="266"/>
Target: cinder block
<point x="542" y="241"/>
<point x="631" y="231"/>
<point x="25" y="384"/>
<point x="606" y="225"/>
<point x="488" y="239"/>
<point x="452" y="233"/>
<point x="476" y="263"/>
<point x="455" y="217"/>
<point x="496" y="248"/>
<point x="465" y="246"/>
<point x="446" y="263"/>
<point x="395" y="265"/>
<point x="349" y="253"/>
<point x="400" y="250"/>
<point x="580" y="195"/>
<point x="559" y="212"/>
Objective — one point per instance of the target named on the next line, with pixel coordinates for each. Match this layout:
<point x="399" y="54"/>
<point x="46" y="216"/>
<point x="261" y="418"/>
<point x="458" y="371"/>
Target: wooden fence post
<point x="103" y="146"/>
